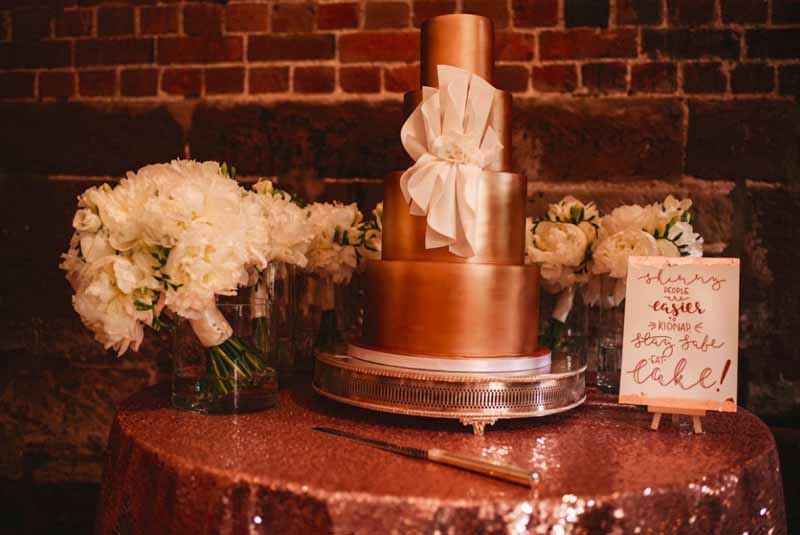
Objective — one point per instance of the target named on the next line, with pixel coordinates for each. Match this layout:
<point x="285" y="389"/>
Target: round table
<point x="599" y="469"/>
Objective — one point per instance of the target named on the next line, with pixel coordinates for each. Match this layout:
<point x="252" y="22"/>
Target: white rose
<point x="611" y="253"/>
<point x="667" y="248"/>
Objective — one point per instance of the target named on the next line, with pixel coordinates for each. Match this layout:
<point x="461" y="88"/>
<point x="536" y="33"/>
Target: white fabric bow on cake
<point x="448" y="137"/>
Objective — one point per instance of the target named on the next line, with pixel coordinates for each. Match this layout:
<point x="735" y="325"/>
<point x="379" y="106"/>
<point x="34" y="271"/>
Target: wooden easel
<point x="697" y="425"/>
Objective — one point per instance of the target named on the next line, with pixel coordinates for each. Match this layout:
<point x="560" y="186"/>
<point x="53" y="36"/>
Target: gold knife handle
<point x="511" y="473"/>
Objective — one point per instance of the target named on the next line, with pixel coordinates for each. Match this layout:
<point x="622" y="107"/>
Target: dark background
<point x="616" y="101"/>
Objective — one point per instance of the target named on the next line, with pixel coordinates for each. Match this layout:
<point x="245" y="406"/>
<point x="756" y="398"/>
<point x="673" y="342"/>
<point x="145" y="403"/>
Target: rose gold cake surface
<point x="600" y="469"/>
<point x="500" y="223"/>
<point x="451" y="310"/>
<point x="464" y="41"/>
<point x="431" y="302"/>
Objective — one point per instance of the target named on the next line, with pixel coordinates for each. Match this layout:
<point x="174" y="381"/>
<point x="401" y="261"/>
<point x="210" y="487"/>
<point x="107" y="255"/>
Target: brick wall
<point x="616" y="100"/>
<point x="351" y="50"/>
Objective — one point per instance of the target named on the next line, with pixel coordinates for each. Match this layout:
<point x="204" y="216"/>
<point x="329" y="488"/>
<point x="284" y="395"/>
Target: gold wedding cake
<point x="451" y="310"/>
<point x="426" y="307"/>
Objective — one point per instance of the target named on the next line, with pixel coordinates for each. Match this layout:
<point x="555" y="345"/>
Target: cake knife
<point x="506" y="472"/>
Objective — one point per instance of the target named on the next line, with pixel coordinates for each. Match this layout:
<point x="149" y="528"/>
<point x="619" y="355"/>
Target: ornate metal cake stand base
<point x="477" y="399"/>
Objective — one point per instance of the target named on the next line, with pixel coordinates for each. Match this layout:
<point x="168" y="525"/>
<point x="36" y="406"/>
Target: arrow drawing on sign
<point x="699" y="327"/>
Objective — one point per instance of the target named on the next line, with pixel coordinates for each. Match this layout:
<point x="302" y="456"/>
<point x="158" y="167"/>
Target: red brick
<point x="202" y="19"/>
<point x="688" y="44"/>
<point x="293" y="18"/>
<point x="704" y="77"/>
<point x="555" y="78"/>
<point x="779" y="43"/>
<point x="386" y="15"/>
<point x="492" y="9"/>
<point x="114" y="21"/>
<point x="290" y="47"/>
<point x="97" y="83"/>
<point x="113" y="51"/>
<point x="511" y="78"/>
<point x="30" y="24"/>
<point x="401" y="79"/>
<point x="27" y="55"/>
<point x="513" y="46"/>
<point x="752" y="78"/>
<point x="604" y="77"/>
<point x="314" y="79"/>
<point x="246" y="17"/>
<point x="74" y="23"/>
<point x="156" y="20"/>
<point x="586" y="43"/>
<point x="789" y="80"/>
<point x="427" y="9"/>
<point x="269" y="80"/>
<point x="534" y="13"/>
<point x="56" y="84"/>
<point x="379" y="46"/>
<point x="199" y="49"/>
<point x="186" y="82"/>
<point x="360" y="79"/>
<point x="654" y="77"/>
<point x="690" y="12"/>
<point x="638" y="12"/>
<point x="744" y="11"/>
<point x="337" y="16"/>
<point x="785" y="11"/>
<point x="224" y="80"/>
<point x="139" y="83"/>
<point x="16" y="84"/>
<point x="591" y="13"/>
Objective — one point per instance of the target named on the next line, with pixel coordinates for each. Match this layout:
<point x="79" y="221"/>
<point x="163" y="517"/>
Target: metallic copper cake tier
<point x="452" y="310"/>
<point x="464" y="41"/>
<point x="501" y="224"/>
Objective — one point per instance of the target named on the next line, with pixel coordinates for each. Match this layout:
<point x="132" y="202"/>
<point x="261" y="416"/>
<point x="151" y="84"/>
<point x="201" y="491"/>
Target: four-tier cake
<point x="427" y="307"/>
<point x="451" y="310"/>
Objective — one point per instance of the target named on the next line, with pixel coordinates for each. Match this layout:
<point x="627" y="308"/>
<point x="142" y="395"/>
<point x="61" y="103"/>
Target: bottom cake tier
<point x="447" y="310"/>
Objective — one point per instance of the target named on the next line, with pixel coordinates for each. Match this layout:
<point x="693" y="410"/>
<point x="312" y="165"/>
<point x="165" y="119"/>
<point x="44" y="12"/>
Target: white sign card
<point x="681" y="337"/>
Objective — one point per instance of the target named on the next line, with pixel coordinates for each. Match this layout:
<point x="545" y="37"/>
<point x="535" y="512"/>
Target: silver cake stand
<point x="476" y="399"/>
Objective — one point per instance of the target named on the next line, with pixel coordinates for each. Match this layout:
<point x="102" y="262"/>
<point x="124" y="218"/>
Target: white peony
<point x="611" y="253"/>
<point x="628" y="217"/>
<point x="558" y="243"/>
<point x="106" y="297"/>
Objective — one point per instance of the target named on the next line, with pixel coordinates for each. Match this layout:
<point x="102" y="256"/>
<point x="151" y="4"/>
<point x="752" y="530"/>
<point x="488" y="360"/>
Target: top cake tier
<point x="464" y="41"/>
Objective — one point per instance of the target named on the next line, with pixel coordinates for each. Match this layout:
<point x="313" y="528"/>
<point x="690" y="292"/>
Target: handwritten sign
<point x="681" y="337"/>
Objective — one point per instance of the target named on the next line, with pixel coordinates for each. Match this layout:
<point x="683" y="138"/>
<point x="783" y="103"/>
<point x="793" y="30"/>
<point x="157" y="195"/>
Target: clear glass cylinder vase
<point x="317" y="324"/>
<point x="609" y="319"/>
<point x="231" y="377"/>
<point x="272" y="302"/>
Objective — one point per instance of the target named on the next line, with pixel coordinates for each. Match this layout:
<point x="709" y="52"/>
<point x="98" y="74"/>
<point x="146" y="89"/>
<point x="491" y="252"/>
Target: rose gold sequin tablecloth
<point x="599" y="469"/>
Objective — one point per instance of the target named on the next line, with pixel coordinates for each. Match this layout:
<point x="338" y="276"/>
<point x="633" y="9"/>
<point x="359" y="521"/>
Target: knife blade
<point x="506" y="472"/>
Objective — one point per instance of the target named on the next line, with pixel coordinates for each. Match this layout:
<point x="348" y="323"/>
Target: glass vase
<point x="317" y="326"/>
<point x="231" y="377"/>
<point x="568" y="338"/>
<point x="272" y="305"/>
<point x="609" y="319"/>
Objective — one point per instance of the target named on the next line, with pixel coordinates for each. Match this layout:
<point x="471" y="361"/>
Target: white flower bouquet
<point x="659" y="229"/>
<point x="561" y="243"/>
<point x="170" y="236"/>
<point x="576" y="247"/>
